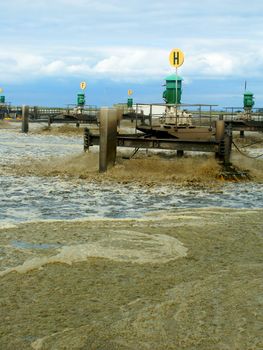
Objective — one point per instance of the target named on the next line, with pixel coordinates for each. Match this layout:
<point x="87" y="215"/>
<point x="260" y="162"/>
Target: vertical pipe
<point x="108" y="138"/>
<point x="25" y="118"/>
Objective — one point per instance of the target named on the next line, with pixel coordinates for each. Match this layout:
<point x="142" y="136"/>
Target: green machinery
<point x="2" y="99"/>
<point x="81" y="100"/>
<point x="248" y="100"/>
<point x="129" y="102"/>
<point x="173" y="92"/>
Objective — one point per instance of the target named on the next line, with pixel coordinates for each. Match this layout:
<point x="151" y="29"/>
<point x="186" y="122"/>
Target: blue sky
<point x="49" y="46"/>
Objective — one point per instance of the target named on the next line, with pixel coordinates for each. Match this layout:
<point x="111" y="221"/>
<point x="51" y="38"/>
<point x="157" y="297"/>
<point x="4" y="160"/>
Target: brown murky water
<point x="181" y="280"/>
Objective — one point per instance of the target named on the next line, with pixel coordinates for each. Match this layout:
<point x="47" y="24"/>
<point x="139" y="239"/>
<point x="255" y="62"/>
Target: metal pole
<point x="176" y="94"/>
<point x="176" y="87"/>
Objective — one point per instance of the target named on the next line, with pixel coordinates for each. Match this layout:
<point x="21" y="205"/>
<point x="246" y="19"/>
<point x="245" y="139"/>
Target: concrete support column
<point x="119" y="111"/>
<point x="25" y="119"/>
<point x="35" y="112"/>
<point x="108" y="138"/>
<point x="242" y="134"/>
<point x="224" y="139"/>
<point x="228" y="145"/>
<point x="180" y="153"/>
<point x="220" y="130"/>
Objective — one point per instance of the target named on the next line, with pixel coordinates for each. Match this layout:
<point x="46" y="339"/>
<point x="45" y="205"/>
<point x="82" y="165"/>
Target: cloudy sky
<point x="49" y="46"/>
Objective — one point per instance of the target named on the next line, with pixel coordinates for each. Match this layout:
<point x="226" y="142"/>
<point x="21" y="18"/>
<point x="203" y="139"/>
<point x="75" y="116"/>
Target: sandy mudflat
<point x="191" y="279"/>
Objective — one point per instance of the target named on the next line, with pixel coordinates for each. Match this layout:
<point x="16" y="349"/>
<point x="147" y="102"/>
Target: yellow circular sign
<point x="1" y="90"/>
<point x="83" y="85"/>
<point x="130" y="92"/>
<point x="176" y="58"/>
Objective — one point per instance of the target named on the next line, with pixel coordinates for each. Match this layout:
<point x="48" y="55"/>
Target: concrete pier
<point x="119" y="111"/>
<point x="224" y="138"/>
<point x="108" y="138"/>
<point x="25" y="119"/>
<point x="242" y="134"/>
<point x="180" y="153"/>
<point x="220" y="130"/>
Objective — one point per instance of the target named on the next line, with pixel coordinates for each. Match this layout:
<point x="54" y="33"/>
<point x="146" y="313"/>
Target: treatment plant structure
<point x="170" y="125"/>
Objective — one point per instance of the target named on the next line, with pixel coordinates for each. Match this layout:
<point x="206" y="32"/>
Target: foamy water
<point x="30" y="198"/>
<point x="15" y="146"/>
<point x="118" y="245"/>
<point x="34" y="198"/>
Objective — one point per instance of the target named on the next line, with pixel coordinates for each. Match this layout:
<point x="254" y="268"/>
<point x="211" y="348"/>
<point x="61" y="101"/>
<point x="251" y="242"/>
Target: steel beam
<point x="134" y="141"/>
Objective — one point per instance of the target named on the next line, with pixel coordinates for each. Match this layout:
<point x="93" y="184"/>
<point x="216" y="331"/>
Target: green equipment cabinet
<point x="173" y="92"/>
<point x="81" y="100"/>
<point x="2" y="99"/>
<point x="248" y="100"/>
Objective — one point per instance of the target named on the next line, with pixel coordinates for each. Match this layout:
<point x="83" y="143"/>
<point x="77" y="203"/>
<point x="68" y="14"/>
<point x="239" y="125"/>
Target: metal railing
<point x="201" y="114"/>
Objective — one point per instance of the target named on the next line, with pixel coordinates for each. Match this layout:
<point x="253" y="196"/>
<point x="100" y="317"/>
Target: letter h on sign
<point x="176" y="58"/>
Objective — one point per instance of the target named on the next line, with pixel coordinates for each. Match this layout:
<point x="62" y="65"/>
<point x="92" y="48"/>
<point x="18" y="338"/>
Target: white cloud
<point x="212" y="64"/>
<point x="55" y="67"/>
<point x="129" y="64"/>
<point x="129" y="41"/>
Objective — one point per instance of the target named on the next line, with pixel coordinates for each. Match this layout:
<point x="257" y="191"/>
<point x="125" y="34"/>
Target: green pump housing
<point x="169" y="95"/>
<point x="129" y="102"/>
<point x="81" y="99"/>
<point x="248" y="100"/>
<point x="2" y="99"/>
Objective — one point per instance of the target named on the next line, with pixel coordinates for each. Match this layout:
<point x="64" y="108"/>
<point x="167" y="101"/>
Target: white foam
<point x="4" y="225"/>
<point x="120" y="245"/>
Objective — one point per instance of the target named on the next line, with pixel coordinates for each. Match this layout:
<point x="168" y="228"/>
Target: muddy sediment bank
<point x="179" y="280"/>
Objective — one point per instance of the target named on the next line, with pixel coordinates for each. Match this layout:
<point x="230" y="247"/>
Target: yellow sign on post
<point x="130" y="92"/>
<point x="176" y="58"/>
<point x="83" y="85"/>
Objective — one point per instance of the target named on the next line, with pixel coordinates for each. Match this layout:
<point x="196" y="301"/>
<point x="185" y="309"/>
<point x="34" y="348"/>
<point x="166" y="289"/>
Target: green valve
<point x="173" y="92"/>
<point x="130" y="103"/>
<point x="248" y="99"/>
<point x="81" y="100"/>
<point x="2" y="99"/>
